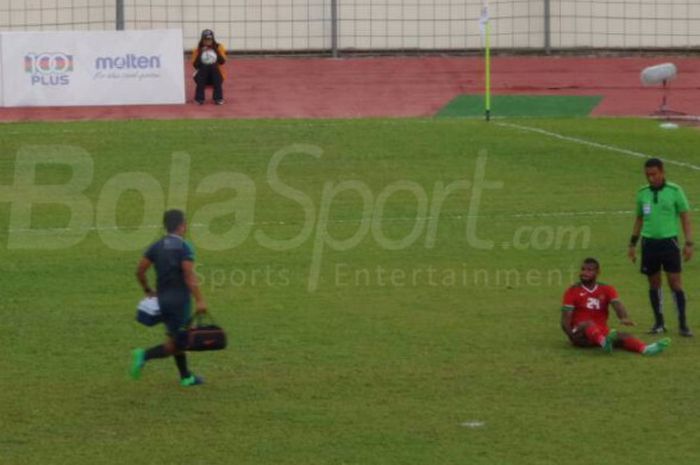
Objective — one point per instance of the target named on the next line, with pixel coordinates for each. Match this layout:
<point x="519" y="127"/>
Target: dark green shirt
<point x="167" y="256"/>
<point x="660" y="210"/>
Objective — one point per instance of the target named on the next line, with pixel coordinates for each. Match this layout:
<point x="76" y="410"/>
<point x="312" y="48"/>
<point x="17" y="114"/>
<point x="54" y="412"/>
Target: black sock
<point x="655" y="299"/>
<point x="181" y="362"/>
<point x="156" y="352"/>
<point x="679" y="297"/>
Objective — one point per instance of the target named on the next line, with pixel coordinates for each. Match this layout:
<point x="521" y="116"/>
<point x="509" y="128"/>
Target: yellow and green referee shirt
<point x="660" y="210"/>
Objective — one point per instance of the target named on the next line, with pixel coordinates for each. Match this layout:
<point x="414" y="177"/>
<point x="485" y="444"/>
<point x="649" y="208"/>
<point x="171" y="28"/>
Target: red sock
<point x="633" y="344"/>
<point x="594" y="335"/>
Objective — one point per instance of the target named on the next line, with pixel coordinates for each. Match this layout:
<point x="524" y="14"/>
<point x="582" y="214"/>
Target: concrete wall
<point x="250" y="25"/>
<point x="626" y="23"/>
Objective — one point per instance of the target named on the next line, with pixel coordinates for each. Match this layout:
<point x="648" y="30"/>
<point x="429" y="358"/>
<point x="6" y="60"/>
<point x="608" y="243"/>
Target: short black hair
<point x="654" y="163"/>
<point x="592" y="261"/>
<point x="173" y="219"/>
<point x="207" y="34"/>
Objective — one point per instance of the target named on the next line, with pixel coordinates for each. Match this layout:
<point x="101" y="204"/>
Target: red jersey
<point x="589" y="304"/>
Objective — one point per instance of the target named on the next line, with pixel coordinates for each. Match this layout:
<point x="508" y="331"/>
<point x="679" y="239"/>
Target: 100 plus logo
<point x="49" y="69"/>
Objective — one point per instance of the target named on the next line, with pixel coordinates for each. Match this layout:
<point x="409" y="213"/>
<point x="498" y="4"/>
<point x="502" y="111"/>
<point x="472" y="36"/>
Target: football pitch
<point x="391" y="290"/>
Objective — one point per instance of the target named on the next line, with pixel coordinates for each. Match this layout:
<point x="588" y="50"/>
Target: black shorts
<point x="175" y="310"/>
<point x="660" y="254"/>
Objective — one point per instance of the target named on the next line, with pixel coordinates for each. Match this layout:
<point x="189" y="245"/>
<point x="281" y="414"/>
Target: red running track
<point x="402" y="87"/>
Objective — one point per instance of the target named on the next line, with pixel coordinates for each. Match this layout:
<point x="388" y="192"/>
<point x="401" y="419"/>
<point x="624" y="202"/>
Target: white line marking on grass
<point x="598" y="145"/>
<point x="565" y="214"/>
<point x="473" y="424"/>
<point x="396" y="219"/>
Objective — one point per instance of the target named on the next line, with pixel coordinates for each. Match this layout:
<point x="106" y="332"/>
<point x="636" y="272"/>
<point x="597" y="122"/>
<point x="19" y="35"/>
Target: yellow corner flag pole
<point x="485" y="26"/>
<point x="487" y="77"/>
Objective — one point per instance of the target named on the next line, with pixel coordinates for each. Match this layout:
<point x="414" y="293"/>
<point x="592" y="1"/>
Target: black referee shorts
<point x="658" y="254"/>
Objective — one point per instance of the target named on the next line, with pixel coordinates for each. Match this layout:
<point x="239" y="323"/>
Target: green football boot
<point x="138" y="360"/>
<point x="657" y="347"/>
<point x="192" y="380"/>
<point x="610" y="341"/>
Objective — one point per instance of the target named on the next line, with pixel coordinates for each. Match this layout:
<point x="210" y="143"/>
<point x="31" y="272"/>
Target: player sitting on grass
<point x="584" y="315"/>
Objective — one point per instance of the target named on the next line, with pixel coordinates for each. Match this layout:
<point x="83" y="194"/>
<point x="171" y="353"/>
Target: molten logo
<point x="49" y="69"/>
<point x="128" y="61"/>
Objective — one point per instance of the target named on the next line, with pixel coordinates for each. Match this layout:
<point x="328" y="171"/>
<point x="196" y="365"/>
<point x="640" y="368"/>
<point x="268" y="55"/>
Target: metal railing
<point x="336" y="26"/>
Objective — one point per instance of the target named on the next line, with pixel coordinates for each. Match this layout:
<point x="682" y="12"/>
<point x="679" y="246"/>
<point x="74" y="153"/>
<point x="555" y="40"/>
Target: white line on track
<point x="598" y="145"/>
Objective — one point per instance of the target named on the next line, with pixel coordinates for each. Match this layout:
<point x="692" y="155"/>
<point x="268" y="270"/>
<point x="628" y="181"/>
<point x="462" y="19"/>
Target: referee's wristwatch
<point x="689" y="244"/>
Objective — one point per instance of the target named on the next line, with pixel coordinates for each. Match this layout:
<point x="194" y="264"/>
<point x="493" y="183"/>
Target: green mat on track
<point x="521" y="105"/>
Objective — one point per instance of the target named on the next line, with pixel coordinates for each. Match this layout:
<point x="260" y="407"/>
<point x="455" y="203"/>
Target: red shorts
<point x="579" y="338"/>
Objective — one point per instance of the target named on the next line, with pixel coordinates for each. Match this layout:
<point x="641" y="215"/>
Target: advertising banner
<point x="91" y="68"/>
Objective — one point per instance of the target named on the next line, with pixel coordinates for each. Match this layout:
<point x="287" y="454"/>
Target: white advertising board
<point x="91" y="68"/>
<point x="2" y="102"/>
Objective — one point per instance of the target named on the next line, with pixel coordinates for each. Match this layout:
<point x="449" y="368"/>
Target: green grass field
<point x="402" y="327"/>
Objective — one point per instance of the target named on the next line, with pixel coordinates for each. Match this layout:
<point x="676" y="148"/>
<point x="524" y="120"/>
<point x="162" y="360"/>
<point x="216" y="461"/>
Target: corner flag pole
<point x="485" y="26"/>
<point x="487" y="67"/>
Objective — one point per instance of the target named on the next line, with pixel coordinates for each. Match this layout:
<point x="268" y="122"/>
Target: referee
<point x="659" y="205"/>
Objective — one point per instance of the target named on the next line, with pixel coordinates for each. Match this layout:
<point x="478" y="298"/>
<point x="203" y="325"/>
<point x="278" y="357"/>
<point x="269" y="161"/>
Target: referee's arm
<point x="636" y="231"/>
<point x="688" y="233"/>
